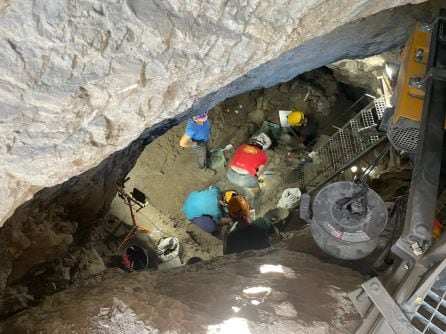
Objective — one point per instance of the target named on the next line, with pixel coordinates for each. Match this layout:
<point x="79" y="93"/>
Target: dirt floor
<point x="72" y="249"/>
<point x="167" y="173"/>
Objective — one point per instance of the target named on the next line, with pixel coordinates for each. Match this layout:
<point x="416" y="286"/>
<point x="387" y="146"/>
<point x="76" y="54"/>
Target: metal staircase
<point x="350" y="143"/>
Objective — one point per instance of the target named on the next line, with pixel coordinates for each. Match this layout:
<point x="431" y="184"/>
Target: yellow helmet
<point x="238" y="206"/>
<point x="229" y="194"/>
<point x="296" y="118"/>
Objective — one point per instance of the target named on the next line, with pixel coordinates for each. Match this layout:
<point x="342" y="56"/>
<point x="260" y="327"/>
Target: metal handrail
<point x="346" y="146"/>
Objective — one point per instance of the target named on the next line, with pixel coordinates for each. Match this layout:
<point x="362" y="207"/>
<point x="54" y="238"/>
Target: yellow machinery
<point x="411" y="296"/>
<point x="403" y="129"/>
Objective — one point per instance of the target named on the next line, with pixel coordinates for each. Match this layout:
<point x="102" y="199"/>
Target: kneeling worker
<point x="248" y="162"/>
<point x="248" y="234"/>
<point x="304" y="126"/>
<point x="204" y="209"/>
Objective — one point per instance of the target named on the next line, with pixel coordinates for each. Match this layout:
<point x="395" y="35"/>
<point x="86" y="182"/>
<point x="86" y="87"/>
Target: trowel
<point x="312" y="100"/>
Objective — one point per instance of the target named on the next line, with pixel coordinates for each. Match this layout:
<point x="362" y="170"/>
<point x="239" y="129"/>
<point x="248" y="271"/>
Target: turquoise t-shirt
<point x="198" y="131"/>
<point x="205" y="202"/>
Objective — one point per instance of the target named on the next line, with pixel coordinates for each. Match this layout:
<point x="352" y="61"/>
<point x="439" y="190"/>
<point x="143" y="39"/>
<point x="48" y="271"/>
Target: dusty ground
<point x="49" y="250"/>
<point x="167" y="173"/>
<point x="269" y="291"/>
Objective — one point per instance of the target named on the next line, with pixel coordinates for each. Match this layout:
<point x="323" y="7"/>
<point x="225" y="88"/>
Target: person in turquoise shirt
<point x="204" y="209"/>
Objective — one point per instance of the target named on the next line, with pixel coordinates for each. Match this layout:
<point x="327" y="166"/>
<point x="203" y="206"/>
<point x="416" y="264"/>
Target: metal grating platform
<point x="380" y="106"/>
<point x="431" y="315"/>
<point x="355" y="138"/>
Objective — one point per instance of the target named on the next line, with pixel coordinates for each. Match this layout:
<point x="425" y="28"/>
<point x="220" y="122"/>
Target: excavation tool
<point x="312" y="101"/>
<point x="135" y="199"/>
<point x="143" y="248"/>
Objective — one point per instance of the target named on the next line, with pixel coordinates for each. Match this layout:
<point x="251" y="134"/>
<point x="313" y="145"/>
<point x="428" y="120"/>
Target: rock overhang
<point x="81" y="81"/>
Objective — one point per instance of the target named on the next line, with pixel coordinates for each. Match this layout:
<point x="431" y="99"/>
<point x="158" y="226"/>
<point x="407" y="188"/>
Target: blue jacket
<point x="205" y="202"/>
<point x="198" y="131"/>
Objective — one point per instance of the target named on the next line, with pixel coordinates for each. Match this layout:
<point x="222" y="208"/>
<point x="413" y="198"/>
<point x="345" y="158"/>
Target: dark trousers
<point x="201" y="155"/>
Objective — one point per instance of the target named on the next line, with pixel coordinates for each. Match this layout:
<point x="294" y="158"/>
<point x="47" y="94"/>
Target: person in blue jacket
<point x="196" y="136"/>
<point x="204" y="209"/>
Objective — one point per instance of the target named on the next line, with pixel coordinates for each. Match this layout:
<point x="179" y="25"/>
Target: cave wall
<point x="364" y="73"/>
<point x="45" y="226"/>
<point x="43" y="230"/>
<point x="80" y="80"/>
<point x="81" y="199"/>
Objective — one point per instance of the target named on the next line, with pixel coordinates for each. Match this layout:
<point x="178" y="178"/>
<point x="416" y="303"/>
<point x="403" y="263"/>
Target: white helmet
<point x="261" y="140"/>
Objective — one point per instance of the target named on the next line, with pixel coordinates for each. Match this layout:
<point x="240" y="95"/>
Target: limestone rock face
<point x="80" y="80"/>
<point x="264" y="292"/>
<point x="363" y="73"/>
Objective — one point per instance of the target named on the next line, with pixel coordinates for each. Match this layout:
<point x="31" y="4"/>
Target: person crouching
<point x="248" y="162"/>
<point x="247" y="234"/>
<point x="304" y="127"/>
<point x="204" y="209"/>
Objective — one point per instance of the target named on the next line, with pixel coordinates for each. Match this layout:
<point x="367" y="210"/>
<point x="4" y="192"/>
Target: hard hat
<point x="238" y="206"/>
<point x="261" y="140"/>
<point x="295" y="118"/>
<point x="228" y="195"/>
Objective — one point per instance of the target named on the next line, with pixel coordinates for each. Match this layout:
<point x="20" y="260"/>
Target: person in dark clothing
<point x="255" y="235"/>
<point x="248" y="234"/>
<point x="305" y="127"/>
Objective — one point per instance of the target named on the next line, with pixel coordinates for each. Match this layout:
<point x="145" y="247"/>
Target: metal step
<point x="343" y="148"/>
